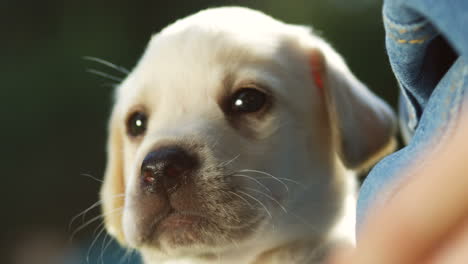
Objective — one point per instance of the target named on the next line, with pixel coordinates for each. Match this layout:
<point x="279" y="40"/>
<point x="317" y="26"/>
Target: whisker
<point x="92" y="177"/>
<point x="104" y="242"/>
<point x="85" y="225"/>
<point x="105" y="75"/>
<point x="258" y="201"/>
<point x="83" y="213"/>
<point x="127" y="255"/>
<point x="223" y="208"/>
<point x="242" y="198"/>
<point x="215" y="143"/>
<point x="104" y="248"/>
<point x="225" y="163"/>
<point x="93" y="220"/>
<point x="253" y="179"/>
<point x="90" y="208"/>
<point x="94" y="242"/>
<point x="108" y="64"/>
<point x="284" y="179"/>
<point x="268" y="174"/>
<point x="230" y="239"/>
<point x="270" y="197"/>
<point x="305" y="222"/>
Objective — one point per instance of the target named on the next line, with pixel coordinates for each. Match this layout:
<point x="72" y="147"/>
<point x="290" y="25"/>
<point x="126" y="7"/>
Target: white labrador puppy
<point x="235" y="140"/>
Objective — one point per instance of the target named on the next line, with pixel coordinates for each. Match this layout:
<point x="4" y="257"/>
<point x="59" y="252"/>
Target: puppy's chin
<point x="171" y="226"/>
<point x="179" y="235"/>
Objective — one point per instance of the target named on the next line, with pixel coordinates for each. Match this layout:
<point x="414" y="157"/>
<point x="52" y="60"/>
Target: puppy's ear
<point x="113" y="188"/>
<point x="363" y="126"/>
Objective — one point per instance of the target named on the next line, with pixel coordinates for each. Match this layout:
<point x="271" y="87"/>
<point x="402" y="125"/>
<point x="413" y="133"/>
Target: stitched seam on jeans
<point x="407" y="41"/>
<point x="404" y="28"/>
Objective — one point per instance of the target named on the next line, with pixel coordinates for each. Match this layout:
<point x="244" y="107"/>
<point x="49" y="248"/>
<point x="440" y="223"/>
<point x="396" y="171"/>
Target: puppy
<point x="235" y="140"/>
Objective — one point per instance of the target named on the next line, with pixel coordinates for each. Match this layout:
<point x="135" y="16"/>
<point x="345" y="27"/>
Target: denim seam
<point x="407" y="41"/>
<point x="404" y="28"/>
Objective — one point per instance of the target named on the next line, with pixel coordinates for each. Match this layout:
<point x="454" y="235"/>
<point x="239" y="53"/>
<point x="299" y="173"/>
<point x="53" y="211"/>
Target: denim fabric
<point x="427" y="44"/>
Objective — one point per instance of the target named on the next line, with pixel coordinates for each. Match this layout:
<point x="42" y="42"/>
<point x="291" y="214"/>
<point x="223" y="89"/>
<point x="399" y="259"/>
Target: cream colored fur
<point x="313" y="139"/>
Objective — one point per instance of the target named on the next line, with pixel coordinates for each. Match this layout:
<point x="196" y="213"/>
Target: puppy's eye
<point x="136" y="124"/>
<point x="248" y="100"/>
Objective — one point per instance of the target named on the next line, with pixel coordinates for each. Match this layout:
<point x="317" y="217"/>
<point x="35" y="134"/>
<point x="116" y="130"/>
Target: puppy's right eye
<point x="136" y="124"/>
<point x="247" y="100"/>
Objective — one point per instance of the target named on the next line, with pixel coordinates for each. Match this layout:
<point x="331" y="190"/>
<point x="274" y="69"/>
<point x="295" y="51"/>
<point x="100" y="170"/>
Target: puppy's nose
<point x="167" y="167"/>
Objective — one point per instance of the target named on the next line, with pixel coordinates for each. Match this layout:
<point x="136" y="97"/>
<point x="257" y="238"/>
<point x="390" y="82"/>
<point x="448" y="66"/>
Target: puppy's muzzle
<point x="166" y="169"/>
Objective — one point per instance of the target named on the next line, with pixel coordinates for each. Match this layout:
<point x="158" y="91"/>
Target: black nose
<point x="167" y="167"/>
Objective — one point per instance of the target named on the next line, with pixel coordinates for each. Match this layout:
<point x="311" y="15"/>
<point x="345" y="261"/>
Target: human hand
<point x="426" y="220"/>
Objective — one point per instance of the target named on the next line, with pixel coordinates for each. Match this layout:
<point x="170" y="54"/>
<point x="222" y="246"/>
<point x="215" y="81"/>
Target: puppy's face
<point x="219" y="134"/>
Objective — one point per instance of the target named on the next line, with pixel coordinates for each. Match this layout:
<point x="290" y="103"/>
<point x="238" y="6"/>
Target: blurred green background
<point x="54" y="113"/>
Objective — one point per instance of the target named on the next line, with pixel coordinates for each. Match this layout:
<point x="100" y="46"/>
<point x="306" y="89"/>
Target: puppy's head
<point x="231" y="123"/>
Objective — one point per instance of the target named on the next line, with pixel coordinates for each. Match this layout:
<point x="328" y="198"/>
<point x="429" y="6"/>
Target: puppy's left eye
<point x="247" y="100"/>
<point x="136" y="124"/>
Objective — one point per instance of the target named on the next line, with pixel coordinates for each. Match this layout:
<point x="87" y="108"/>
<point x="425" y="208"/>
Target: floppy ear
<point x="363" y="125"/>
<point x="113" y="188"/>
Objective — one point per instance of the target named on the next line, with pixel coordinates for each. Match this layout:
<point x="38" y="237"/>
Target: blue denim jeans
<point x="427" y="44"/>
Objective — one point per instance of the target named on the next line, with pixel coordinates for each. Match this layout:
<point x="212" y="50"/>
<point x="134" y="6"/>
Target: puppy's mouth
<point x="178" y="220"/>
<point x="179" y="229"/>
<point x="195" y="215"/>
